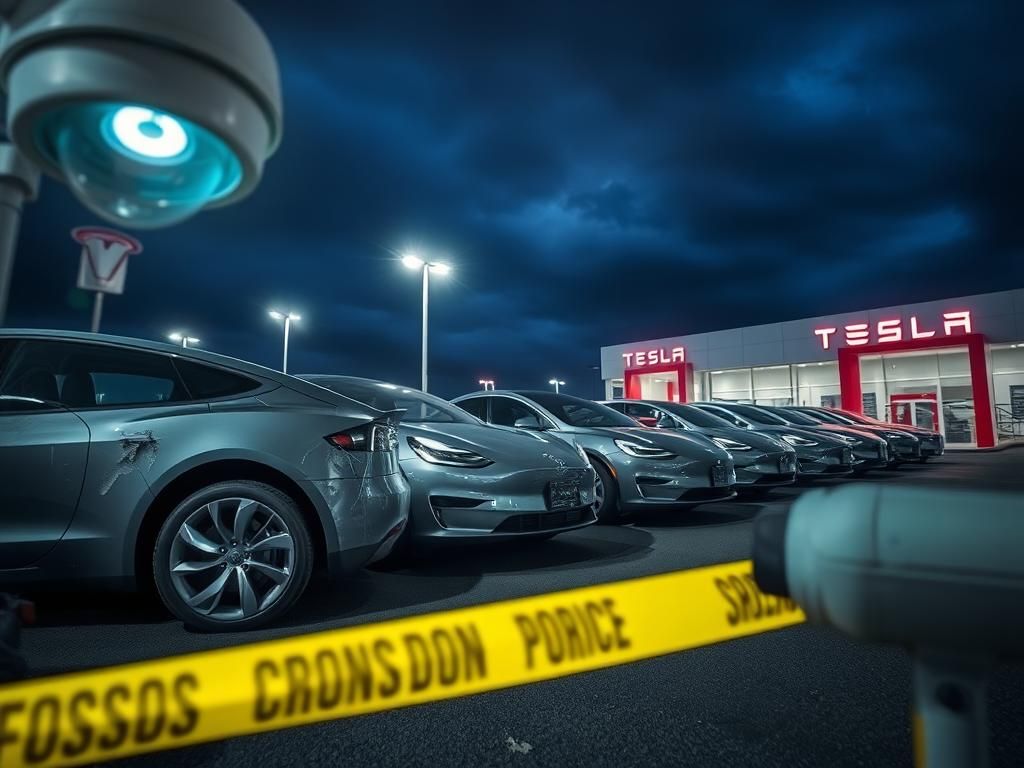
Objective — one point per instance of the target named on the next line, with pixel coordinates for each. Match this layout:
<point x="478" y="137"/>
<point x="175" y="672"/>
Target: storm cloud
<point x="595" y="172"/>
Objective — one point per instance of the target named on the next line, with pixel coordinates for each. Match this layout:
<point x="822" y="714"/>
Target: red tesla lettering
<point x="957" y="320"/>
<point x="824" y="333"/>
<point x="917" y="334"/>
<point x="857" y="334"/>
<point x="890" y="330"/>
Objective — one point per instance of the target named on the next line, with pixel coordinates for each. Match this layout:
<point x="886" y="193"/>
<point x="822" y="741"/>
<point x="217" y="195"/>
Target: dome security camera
<point x="150" y="110"/>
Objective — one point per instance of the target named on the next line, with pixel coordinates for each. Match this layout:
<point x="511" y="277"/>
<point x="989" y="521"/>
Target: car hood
<point x="806" y="433"/>
<point x="839" y="429"/>
<point x="502" y="445"/>
<point x="691" y="445"/>
<point x="756" y="440"/>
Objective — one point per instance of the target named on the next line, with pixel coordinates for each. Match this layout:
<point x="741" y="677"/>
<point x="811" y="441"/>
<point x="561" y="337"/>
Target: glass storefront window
<point x="773" y="385"/>
<point x="817" y="384"/>
<point x="1007" y="364"/>
<point x="731" y="385"/>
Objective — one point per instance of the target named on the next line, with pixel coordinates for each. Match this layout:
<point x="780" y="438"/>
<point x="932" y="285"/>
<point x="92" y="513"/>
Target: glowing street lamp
<point x="558" y="383"/>
<point x="289" y="318"/>
<point x="487" y="384"/>
<point x="412" y="261"/>
<point x="184" y="339"/>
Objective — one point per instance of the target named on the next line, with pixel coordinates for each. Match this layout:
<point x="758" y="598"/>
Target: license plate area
<point x="719" y="475"/>
<point x="563" y="494"/>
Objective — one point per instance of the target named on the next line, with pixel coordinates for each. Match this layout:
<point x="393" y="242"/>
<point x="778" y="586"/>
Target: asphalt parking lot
<point x="803" y="696"/>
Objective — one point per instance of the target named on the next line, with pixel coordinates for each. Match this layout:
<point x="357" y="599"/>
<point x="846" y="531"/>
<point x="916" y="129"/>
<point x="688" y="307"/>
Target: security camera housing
<point x="203" y="60"/>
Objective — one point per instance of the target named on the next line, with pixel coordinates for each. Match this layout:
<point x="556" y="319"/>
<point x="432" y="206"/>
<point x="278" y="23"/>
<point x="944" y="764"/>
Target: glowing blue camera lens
<point x="136" y="165"/>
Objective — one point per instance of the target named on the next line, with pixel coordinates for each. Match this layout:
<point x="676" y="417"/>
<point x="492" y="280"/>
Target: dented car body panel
<point x="506" y="496"/>
<point x="97" y="467"/>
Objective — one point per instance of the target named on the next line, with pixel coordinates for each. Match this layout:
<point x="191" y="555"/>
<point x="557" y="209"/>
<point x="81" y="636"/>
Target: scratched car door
<point x="131" y="400"/>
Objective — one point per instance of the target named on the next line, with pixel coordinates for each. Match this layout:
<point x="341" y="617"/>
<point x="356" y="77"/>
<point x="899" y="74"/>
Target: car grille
<point x="719" y="475"/>
<point x="545" y="521"/>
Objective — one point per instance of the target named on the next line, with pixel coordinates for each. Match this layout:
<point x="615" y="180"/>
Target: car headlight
<point x="729" y="445"/>
<point x="797" y="440"/>
<point x="899" y="436"/>
<point x="581" y="452"/>
<point x="643" y="451"/>
<point x="436" y="452"/>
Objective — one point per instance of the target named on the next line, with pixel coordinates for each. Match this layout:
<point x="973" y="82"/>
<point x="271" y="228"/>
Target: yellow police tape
<point x="147" y="706"/>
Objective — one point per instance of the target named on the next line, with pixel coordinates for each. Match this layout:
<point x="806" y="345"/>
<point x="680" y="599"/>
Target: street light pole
<point x="558" y="383"/>
<point x="288" y="318"/>
<point x="411" y="261"/>
<point x="423" y="343"/>
<point x="184" y="338"/>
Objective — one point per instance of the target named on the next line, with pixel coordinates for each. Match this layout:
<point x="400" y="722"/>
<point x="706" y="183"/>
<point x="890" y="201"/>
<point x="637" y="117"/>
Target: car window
<point x="722" y="413"/>
<point x="696" y="417"/>
<point x="506" y="411"/>
<point x="206" y="381"/>
<point x="617" y="405"/>
<point x="477" y="406"/>
<point x="756" y="415"/>
<point x="419" y="407"/>
<point x="89" y="375"/>
<point x="640" y="410"/>
<point x="580" y="412"/>
<point x="803" y="419"/>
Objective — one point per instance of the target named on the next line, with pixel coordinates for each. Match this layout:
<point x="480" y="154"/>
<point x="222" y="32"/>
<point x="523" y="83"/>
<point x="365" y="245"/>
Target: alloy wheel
<point x="232" y="559"/>
<point x="598" y="494"/>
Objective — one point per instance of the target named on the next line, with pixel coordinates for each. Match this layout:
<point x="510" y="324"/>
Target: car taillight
<point x="375" y="436"/>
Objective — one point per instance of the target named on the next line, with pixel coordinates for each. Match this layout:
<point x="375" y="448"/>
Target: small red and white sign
<point x="104" y="261"/>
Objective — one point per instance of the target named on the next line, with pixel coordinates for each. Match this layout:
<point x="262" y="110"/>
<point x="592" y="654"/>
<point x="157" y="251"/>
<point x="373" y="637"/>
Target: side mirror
<point x="528" y="422"/>
<point x="665" y="421"/>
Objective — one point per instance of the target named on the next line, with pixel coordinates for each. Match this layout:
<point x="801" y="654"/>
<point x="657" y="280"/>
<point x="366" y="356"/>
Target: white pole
<point x="287" y="326"/>
<point x="97" y="311"/>
<point x="426" y="293"/>
<point x="556" y="387"/>
<point x="184" y="342"/>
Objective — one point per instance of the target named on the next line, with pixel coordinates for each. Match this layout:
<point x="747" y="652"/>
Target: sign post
<point x="103" y="264"/>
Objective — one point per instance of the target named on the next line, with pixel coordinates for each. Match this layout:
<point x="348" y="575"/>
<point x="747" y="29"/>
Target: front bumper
<point x="644" y="484"/>
<point x="485" y="504"/>
<point x="765" y="469"/>
<point x="933" y="445"/>
<point x="902" y="449"/>
<point x="831" y="462"/>
<point x="870" y="456"/>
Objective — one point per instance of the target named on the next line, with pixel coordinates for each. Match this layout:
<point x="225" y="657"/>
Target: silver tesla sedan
<point x="125" y="463"/>
<point x="762" y="461"/>
<point x="637" y="468"/>
<point x="817" y="455"/>
<point x="472" y="481"/>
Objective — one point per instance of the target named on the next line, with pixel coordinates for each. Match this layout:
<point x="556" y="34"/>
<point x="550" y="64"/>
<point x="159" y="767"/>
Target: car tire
<point x="606" y="491"/>
<point x="238" y="543"/>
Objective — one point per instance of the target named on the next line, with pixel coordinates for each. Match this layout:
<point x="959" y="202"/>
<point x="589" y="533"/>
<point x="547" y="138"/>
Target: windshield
<point x="696" y="417"/>
<point x="796" y="417"/>
<point x="420" y="408"/>
<point x="756" y="415"/>
<point x="579" y="412"/>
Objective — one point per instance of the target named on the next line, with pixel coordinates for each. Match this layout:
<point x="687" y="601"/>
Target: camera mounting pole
<point x="19" y="183"/>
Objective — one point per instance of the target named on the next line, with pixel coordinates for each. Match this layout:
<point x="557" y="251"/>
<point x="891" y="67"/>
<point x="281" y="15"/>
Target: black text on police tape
<point x="330" y="677"/>
<point x="748" y="603"/>
<point x="571" y="632"/>
<point x="68" y="724"/>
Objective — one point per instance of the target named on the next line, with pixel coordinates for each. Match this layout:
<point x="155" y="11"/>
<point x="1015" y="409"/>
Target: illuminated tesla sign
<point x="885" y="331"/>
<point x="654" y="357"/>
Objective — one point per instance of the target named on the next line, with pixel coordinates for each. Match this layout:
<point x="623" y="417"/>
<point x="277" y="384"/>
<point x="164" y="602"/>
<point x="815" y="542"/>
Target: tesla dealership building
<point x="956" y="365"/>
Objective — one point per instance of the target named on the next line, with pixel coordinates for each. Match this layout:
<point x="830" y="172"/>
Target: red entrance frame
<point x="683" y="371"/>
<point x="984" y="425"/>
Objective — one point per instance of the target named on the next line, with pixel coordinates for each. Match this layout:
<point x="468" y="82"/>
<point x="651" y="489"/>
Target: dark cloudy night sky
<point x="596" y="173"/>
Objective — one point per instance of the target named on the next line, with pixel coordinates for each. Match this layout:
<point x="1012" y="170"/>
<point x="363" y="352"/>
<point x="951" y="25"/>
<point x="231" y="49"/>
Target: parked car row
<point x="224" y="485"/>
